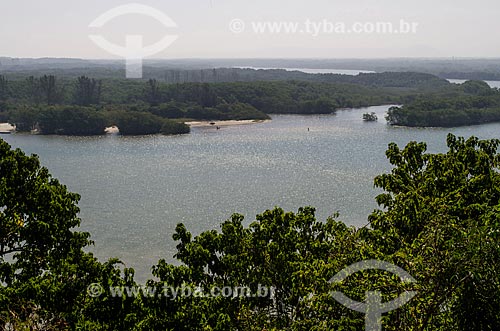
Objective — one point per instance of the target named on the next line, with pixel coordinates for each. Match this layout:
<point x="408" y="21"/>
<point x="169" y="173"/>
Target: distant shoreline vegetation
<point x="475" y="103"/>
<point x="85" y="106"/>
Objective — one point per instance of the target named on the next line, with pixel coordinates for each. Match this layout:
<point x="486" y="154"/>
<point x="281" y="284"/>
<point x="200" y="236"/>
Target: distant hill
<point x="457" y="68"/>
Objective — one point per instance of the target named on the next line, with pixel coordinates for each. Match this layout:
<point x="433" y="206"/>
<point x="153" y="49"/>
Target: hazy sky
<point x="59" y="28"/>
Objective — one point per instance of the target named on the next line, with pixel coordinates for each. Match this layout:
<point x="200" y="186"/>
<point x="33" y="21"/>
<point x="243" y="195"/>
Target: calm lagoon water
<point x="136" y="189"/>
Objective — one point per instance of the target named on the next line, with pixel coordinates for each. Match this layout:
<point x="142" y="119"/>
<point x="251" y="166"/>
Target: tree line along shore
<point x="86" y="106"/>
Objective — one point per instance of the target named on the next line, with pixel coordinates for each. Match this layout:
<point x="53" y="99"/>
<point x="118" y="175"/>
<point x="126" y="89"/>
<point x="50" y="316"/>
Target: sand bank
<point x="195" y="124"/>
<point x="6" y="127"/>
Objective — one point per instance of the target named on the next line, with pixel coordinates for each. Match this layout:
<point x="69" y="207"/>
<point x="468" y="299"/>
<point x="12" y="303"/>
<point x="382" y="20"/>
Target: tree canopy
<point x="426" y="99"/>
<point x="438" y="220"/>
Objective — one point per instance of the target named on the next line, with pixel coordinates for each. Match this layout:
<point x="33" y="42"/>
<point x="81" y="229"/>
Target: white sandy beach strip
<point x="195" y="124"/>
<point x="6" y="127"/>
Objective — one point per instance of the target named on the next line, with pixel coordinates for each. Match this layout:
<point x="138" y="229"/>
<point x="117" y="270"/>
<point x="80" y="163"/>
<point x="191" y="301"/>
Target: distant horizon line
<point x="258" y="58"/>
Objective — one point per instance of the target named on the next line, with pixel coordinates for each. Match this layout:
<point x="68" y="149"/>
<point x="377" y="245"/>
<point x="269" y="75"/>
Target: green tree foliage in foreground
<point x="439" y="220"/>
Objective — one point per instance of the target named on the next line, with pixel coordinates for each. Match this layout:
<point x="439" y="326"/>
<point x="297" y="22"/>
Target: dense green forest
<point x="474" y="103"/>
<point x="438" y="220"/>
<point x="85" y="106"/>
<point x="50" y="106"/>
<point x="400" y="79"/>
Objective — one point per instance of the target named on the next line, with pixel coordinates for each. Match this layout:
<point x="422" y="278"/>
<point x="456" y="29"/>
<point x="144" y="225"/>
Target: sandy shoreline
<point x="195" y="124"/>
<point x="6" y="127"/>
